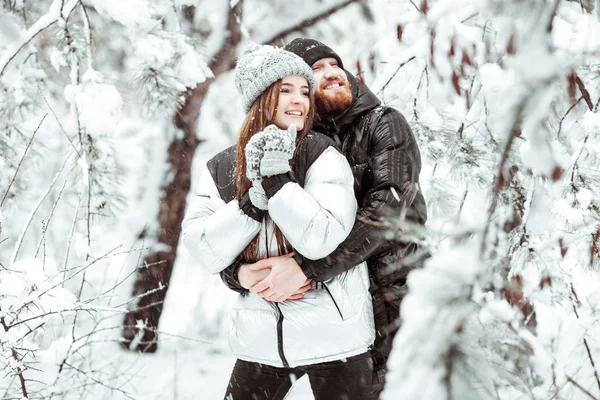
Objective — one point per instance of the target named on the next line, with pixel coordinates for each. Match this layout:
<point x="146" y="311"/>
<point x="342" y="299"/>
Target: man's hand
<point x="286" y="279"/>
<point x="299" y="294"/>
<point x="251" y="274"/>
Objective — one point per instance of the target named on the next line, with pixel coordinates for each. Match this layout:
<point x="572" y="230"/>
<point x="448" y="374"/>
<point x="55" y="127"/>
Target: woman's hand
<point x="285" y="279"/>
<point x="254" y="277"/>
<point x="249" y="277"/>
<point x="299" y="294"/>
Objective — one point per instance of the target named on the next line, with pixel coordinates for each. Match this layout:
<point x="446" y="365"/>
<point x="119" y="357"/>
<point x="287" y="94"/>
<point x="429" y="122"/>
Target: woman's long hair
<point x="261" y="115"/>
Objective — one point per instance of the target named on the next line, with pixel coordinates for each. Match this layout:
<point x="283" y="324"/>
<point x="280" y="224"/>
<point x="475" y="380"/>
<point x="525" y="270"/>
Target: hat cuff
<point x="317" y="53"/>
<point x="268" y="77"/>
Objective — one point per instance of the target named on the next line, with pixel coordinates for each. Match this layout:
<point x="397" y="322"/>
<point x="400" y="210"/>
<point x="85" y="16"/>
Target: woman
<point x="274" y="193"/>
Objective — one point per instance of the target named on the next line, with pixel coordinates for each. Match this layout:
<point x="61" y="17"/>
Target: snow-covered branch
<point x="319" y="14"/>
<point x="56" y="12"/>
<point x="21" y="161"/>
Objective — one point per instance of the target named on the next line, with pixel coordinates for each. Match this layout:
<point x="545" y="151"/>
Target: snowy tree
<point x="502" y="96"/>
<point x="82" y="122"/>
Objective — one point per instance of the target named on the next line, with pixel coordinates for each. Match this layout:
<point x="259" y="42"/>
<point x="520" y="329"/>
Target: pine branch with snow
<point x="487" y="92"/>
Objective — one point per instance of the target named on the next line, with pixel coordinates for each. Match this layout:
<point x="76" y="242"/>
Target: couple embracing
<point x="288" y="217"/>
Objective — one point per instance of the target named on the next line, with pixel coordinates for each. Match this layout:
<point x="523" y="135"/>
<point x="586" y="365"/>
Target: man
<point x="384" y="156"/>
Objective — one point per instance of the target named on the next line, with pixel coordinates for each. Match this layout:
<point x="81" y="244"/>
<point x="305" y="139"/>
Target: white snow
<point x="130" y="13"/>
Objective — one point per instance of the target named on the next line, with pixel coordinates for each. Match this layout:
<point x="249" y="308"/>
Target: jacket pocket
<point x="348" y="292"/>
<point x="334" y="302"/>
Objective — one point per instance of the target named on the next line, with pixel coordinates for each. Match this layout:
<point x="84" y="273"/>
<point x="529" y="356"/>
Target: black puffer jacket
<point x="385" y="159"/>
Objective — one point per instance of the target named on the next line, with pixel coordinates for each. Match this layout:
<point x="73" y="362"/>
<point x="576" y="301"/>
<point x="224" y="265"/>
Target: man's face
<point x="333" y="91"/>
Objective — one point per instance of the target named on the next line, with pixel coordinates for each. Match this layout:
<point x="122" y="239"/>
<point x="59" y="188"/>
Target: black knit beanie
<point x="311" y="50"/>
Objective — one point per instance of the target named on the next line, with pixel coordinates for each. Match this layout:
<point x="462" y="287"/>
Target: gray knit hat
<point x="260" y="66"/>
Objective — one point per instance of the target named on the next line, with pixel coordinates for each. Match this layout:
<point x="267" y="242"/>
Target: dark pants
<point x="336" y="380"/>
<point x="387" y="318"/>
<point x="388" y="274"/>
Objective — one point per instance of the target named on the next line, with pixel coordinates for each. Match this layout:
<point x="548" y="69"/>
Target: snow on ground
<point x="186" y="370"/>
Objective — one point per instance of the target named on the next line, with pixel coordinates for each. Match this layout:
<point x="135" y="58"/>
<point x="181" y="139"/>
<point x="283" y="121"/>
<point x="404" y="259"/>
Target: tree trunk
<point x="154" y="276"/>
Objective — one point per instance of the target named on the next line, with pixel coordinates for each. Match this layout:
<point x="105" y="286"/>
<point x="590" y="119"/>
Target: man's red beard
<point x="328" y="102"/>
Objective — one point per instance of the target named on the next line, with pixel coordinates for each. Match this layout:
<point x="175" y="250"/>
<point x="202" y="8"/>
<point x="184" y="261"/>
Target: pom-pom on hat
<point x="261" y="66"/>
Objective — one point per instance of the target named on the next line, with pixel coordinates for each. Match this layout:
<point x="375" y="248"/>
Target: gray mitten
<point x="254" y="153"/>
<point x="255" y="149"/>
<point x="278" y="150"/>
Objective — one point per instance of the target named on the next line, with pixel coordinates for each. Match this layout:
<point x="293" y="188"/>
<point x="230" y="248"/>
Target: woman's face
<point x="293" y="104"/>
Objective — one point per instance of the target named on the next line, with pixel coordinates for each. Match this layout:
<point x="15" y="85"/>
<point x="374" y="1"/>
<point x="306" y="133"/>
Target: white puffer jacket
<point x="332" y="322"/>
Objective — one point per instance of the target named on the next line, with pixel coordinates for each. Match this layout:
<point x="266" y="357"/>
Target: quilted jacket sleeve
<point x="215" y="232"/>
<point x="390" y="184"/>
<point x="317" y="218"/>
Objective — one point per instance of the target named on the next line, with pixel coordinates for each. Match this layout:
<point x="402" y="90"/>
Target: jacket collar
<point x="363" y="100"/>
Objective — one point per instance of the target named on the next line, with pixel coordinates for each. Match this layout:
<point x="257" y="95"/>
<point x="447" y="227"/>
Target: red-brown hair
<point x="261" y="115"/>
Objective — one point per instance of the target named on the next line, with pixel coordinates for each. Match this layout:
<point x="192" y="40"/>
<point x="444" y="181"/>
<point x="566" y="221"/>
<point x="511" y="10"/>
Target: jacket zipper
<point x="280" y="317"/>
<point x="334" y="302"/>
<point x="280" y="338"/>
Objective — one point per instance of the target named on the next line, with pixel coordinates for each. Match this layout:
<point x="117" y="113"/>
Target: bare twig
<point x="5" y="396"/>
<point x="21" y="160"/>
<point x="87" y="225"/>
<point x="462" y="203"/>
<point x="487" y="127"/>
<point x="32" y="214"/>
<point x="576" y="163"/>
<point x="71" y="232"/>
<point x="394" y="74"/>
<point x="54" y="14"/>
<point x="80" y="270"/>
<point x="578" y="386"/>
<point x="585" y="343"/>
<point x="565" y="116"/>
<point x="59" y="123"/>
<point x="118" y="283"/>
<point x="16" y="358"/>
<point x="88" y="32"/>
<point x="500" y="177"/>
<point x="139" y="296"/>
<point x="139" y="263"/>
<point x="48" y="220"/>
<point x="303" y="24"/>
<point x="584" y="93"/>
<point x="417" y="93"/>
<point x="126" y="394"/>
<point x="587" y="348"/>
<point x="528" y="202"/>
<point x="81" y="308"/>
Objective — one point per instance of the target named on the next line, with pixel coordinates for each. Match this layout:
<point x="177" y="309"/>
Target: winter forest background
<point x="108" y="107"/>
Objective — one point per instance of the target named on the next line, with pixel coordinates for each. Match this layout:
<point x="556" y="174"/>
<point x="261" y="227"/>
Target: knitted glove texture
<point x="254" y="153"/>
<point x="278" y="151"/>
<point x="268" y="153"/>
<point x="255" y="149"/>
